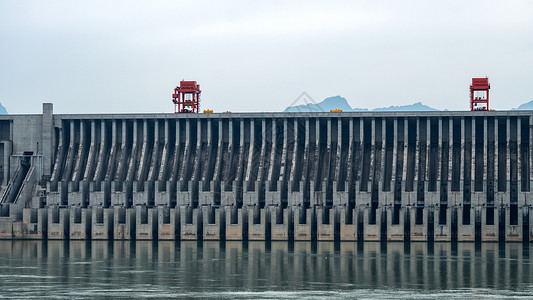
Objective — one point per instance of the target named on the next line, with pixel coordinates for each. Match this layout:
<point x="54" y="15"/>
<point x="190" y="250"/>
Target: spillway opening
<point x="121" y="215"/>
<point x="419" y="215"/>
<point x="33" y="216"/>
<point x="489" y="215"/>
<point x="466" y="214"/>
<point x="99" y="215"/>
<point x="443" y="213"/>
<point x="166" y="215"/>
<point x="77" y="215"/>
<point x="396" y="214"/>
<point x="234" y="215"/>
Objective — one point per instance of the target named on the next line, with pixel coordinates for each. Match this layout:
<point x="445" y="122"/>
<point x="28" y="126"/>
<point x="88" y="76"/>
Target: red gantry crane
<point x="479" y="94"/>
<point x="186" y="97"/>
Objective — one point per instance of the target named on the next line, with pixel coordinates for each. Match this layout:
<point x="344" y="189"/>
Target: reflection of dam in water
<point x="414" y="176"/>
<point x="190" y="269"/>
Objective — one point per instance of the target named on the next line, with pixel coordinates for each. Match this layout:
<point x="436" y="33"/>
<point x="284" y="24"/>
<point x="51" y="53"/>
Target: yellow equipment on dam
<point x="370" y="176"/>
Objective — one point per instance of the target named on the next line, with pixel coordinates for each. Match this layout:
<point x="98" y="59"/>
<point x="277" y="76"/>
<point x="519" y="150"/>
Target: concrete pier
<point x="58" y="223"/>
<point x="168" y="223"/>
<point x="80" y="223"/>
<point x="236" y="224"/>
<point x="373" y="176"/>
<point x="191" y="223"/>
<point x="102" y="223"/>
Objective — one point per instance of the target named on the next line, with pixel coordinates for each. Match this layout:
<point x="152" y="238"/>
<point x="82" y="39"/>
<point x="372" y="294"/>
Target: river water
<point x="263" y="270"/>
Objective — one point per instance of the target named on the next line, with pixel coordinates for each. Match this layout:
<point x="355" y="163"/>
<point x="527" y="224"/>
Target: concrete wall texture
<point x="410" y="176"/>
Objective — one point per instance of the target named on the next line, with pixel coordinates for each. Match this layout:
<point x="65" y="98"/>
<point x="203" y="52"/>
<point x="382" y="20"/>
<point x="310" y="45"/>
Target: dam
<point x="337" y="176"/>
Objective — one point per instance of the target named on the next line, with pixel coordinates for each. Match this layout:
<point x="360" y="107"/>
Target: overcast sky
<point x="127" y="56"/>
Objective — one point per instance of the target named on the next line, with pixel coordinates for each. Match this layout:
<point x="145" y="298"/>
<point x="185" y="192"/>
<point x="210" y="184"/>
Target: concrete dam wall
<point x="413" y="176"/>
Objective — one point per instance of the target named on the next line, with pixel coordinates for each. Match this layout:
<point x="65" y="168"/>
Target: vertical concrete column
<point x="101" y="154"/>
<point x="405" y="149"/>
<point x="113" y="151"/>
<point x="340" y="198"/>
<point x="307" y="155"/>
<point x="251" y="152"/>
<point x="304" y="221"/>
<point x="394" y="153"/>
<point x="205" y="194"/>
<point x="465" y="233"/>
<point x="439" y="153"/>
<point x="155" y="166"/>
<point x="518" y="152"/>
<point x="236" y="231"/>
<point x="162" y="191"/>
<point x="168" y="222"/>
<point x="417" y="154"/>
<point x="371" y="232"/>
<point x="142" y="163"/>
<point x="260" y="176"/>
<point x="281" y="231"/>
<point x="48" y="139"/>
<point x="327" y="231"/>
<point x="294" y="197"/>
<point x="450" y="152"/>
<point x="462" y="169"/>
<point x="214" y="231"/>
<point x="284" y="159"/>
<point x="124" y="223"/>
<point x="133" y="164"/>
<point x="395" y="232"/>
<point x="419" y="232"/>
<point x="442" y="232"/>
<point x="496" y="153"/>
<point x="352" y="169"/>
<point x="58" y="223"/>
<point x="146" y="226"/>
<point x="426" y="167"/>
<point x="489" y="233"/>
<point x="102" y="223"/>
<point x="381" y="170"/>
<point x="530" y="177"/>
<point x="272" y="152"/>
<point x="508" y="153"/>
<point x="473" y="162"/>
<point x="89" y="169"/>
<point x="485" y="152"/>
<point x="530" y="221"/>
<point x="348" y="226"/>
<point x="258" y="224"/>
<point x="80" y="223"/>
<point x="372" y="151"/>
<point x="123" y="159"/>
<point x="70" y="156"/>
<point x="513" y="233"/>
<point x="80" y="163"/>
<point x="191" y="227"/>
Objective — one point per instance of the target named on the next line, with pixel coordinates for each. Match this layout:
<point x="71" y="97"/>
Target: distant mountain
<point x="339" y="102"/>
<point x="525" y="106"/>
<point x="328" y="104"/>
<point x="3" y="110"/>
<point x="412" y="107"/>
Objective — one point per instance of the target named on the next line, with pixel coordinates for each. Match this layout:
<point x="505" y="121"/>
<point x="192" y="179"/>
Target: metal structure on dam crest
<point x="412" y="176"/>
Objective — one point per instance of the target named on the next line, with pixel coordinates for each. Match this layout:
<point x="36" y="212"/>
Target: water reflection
<point x="214" y="269"/>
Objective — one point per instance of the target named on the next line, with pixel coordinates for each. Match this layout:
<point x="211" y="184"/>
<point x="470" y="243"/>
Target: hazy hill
<point x="525" y="106"/>
<point x="328" y="104"/>
<point x="412" y="107"/>
<point x="3" y="110"/>
<point x="339" y="102"/>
